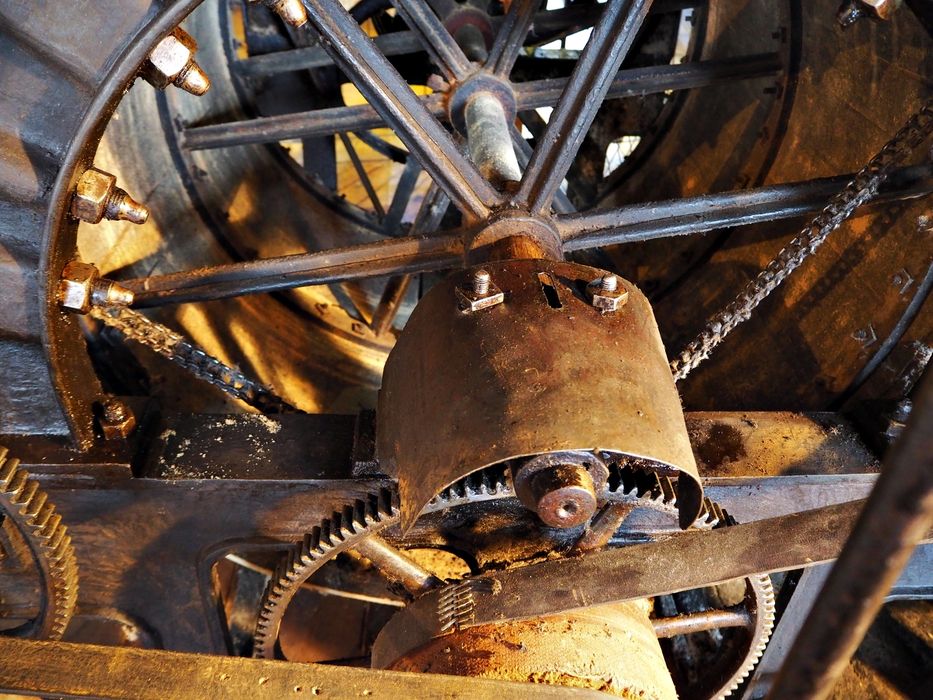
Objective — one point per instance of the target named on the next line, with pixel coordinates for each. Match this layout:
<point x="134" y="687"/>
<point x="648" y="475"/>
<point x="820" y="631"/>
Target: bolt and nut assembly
<point x="606" y="294"/>
<point x="82" y="287"/>
<point x="172" y="63"/>
<point x="117" y="420"/>
<point x="97" y="197"/>
<point x="479" y="293"/>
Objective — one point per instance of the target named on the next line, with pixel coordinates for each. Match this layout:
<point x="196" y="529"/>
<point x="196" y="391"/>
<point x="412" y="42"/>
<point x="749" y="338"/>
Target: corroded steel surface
<point x="542" y="372"/>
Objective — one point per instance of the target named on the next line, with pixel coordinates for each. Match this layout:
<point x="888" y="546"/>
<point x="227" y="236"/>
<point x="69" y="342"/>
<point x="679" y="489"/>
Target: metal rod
<point x="310" y="57"/>
<point x="511" y="37"/>
<point x="523" y="151"/>
<point x="529" y="95"/>
<point x="414" y="254"/>
<point x="404" y="189"/>
<point x="430" y="214"/>
<point x="435" y="38"/>
<point x="390" y="302"/>
<point x="490" y="140"/>
<point x="635" y="82"/>
<point x="363" y="176"/>
<point x="315" y="588"/>
<point x="679" y="217"/>
<point x="591" y="79"/>
<point x="396" y="565"/>
<point x="604" y="525"/>
<point x="896" y="516"/>
<point x="389" y="257"/>
<point x="391" y="96"/>
<point x="666" y="627"/>
<point x="546" y="24"/>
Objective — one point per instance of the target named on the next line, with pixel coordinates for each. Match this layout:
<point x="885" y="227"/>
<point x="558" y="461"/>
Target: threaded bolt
<point x="609" y="283"/>
<point x="106" y="292"/>
<point x="193" y="79"/>
<point x="481" y="281"/>
<point x="122" y="207"/>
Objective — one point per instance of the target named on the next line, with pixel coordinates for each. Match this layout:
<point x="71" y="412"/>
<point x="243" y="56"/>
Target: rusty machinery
<point x="529" y="502"/>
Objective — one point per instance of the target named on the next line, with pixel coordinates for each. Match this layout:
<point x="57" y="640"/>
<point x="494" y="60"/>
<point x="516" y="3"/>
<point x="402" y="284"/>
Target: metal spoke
<point x="390" y="303"/>
<point x="530" y="95"/>
<point x="679" y="217"/>
<point x="523" y="151"/>
<point x="429" y="218"/>
<point x="546" y="25"/>
<point x="363" y="176"/>
<point x="691" y="623"/>
<point x="401" y="197"/>
<point x="511" y="37"/>
<point x="435" y="38"/>
<point x="636" y="82"/>
<point x="393" y="44"/>
<point x="388" y="257"/>
<point x="577" y="107"/>
<point x="391" y="96"/>
<point x="397" y="566"/>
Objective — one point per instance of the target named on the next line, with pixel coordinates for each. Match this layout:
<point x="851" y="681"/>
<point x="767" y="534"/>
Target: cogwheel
<point x="344" y="529"/>
<point x="27" y="507"/>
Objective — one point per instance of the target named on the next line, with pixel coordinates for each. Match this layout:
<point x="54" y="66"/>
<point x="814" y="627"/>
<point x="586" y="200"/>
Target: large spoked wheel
<point x="222" y="191"/>
<point x="239" y="173"/>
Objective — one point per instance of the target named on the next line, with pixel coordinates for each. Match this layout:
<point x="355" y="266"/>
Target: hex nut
<point x="97" y="197"/>
<point x="606" y="300"/>
<point x="92" y="194"/>
<point x="117" y="420"/>
<point x="480" y="292"/>
<point x="82" y="287"/>
<point x="172" y="63"/>
<point x="77" y="285"/>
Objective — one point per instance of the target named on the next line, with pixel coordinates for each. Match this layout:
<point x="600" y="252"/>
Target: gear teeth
<point x="485" y="483"/>
<point x="28" y="508"/>
<point x="335" y="534"/>
<point x="764" y="595"/>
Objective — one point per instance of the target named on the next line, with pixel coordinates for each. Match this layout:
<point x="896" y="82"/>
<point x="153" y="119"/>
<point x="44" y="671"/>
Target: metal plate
<point x="542" y="372"/>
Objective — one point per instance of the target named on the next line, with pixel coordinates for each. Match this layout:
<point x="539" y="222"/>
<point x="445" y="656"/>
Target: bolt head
<point x="606" y="300"/>
<point x="479" y="292"/>
<point x="169" y="59"/>
<point x="91" y="195"/>
<point x="117" y="420"/>
<point x="77" y="285"/>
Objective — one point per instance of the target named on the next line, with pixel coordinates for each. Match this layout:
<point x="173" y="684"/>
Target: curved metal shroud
<point x="542" y="372"/>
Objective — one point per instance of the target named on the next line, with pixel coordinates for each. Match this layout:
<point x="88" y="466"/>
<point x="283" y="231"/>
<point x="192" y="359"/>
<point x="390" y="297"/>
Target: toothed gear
<point x="365" y="517"/>
<point x="28" y="508"/>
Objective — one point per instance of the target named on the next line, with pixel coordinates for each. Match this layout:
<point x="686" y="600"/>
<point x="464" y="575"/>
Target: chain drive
<point x="133" y="325"/>
<point x="862" y="189"/>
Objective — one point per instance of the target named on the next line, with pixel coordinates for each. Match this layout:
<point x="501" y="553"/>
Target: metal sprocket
<point x="352" y="524"/>
<point x="27" y="507"/>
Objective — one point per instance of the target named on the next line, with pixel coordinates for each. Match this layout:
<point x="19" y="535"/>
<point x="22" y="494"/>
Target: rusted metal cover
<point x="542" y="372"/>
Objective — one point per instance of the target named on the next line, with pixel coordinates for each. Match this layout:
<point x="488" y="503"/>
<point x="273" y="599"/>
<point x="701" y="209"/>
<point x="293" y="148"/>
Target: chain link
<point x="862" y="189"/>
<point x="173" y="346"/>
